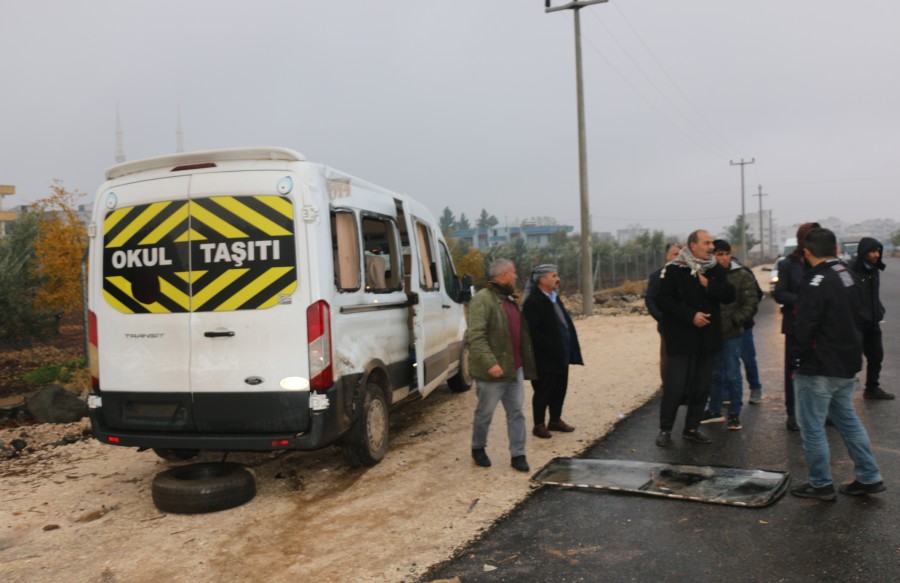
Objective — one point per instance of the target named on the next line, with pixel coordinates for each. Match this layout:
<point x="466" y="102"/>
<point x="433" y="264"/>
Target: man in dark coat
<point x="555" y="345"/>
<point x="691" y="288"/>
<point x="672" y="251"/>
<point x="867" y="266"/>
<point x="787" y="290"/>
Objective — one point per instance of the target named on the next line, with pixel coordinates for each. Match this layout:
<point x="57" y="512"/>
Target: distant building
<point x="534" y="235"/>
<point x="8" y="218"/>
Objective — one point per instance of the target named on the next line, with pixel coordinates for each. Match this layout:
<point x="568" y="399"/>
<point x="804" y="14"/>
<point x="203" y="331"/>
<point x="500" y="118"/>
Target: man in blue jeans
<point x="726" y="375"/>
<point x="828" y="355"/>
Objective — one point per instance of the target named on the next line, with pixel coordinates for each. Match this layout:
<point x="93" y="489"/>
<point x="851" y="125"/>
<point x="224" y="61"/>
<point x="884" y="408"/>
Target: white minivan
<point x="247" y="299"/>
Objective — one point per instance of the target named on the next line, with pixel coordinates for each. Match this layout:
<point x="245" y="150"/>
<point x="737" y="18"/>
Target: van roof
<point x="188" y="158"/>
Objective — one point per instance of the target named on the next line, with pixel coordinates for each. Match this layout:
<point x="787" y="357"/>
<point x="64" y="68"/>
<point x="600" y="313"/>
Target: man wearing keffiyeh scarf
<point x="691" y="288"/>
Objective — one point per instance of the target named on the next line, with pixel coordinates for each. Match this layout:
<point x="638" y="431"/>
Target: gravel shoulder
<point x="82" y="511"/>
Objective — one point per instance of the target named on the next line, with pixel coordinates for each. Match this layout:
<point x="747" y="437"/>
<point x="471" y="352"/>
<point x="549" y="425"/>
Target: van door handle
<point x="446" y="307"/>
<point x="228" y="333"/>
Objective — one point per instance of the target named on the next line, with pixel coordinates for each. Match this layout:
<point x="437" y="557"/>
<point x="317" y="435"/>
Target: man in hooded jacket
<point x="866" y="267"/>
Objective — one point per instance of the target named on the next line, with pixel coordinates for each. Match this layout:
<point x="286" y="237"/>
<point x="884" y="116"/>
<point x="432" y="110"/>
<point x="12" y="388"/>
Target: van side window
<point x="381" y="255"/>
<point x="427" y="267"/>
<point x="345" y="247"/>
<point x="451" y="282"/>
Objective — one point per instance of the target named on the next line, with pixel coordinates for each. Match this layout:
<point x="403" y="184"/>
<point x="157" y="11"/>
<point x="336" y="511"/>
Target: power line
<point x="672" y="80"/>
<point x="657" y="88"/>
<point x="648" y="102"/>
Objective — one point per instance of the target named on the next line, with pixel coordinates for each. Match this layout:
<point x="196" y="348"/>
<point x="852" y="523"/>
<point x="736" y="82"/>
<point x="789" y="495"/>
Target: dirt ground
<point x="83" y="511"/>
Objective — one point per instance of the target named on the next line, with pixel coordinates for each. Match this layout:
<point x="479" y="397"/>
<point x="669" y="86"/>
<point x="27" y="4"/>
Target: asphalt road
<point x="595" y="536"/>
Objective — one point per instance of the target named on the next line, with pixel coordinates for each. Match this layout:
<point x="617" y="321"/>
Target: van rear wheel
<point x="462" y="380"/>
<point x="367" y="441"/>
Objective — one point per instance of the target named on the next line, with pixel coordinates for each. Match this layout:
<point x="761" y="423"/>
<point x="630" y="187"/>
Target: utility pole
<point x="587" y="281"/>
<point x="762" y="239"/>
<point x="743" y="215"/>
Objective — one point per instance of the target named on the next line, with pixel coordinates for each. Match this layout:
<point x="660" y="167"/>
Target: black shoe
<point x="481" y="458"/>
<point x="695" y="435"/>
<point x="877" y="394"/>
<point x="792" y="424"/>
<point x="664" y="438"/>
<point x="857" y="488"/>
<point x="519" y="463"/>
<point x="806" y="490"/>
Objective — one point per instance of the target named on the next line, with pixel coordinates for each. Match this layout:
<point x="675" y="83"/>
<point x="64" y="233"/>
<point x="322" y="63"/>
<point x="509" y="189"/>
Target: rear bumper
<point x="172" y="421"/>
<point x="315" y="437"/>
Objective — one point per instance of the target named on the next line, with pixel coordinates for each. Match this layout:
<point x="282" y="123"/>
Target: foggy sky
<point x="471" y="104"/>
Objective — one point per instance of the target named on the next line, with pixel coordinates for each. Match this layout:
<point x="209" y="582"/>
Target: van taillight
<point x="318" y="333"/>
<point x="94" y="357"/>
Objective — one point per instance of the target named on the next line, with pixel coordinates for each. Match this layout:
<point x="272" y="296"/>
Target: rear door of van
<point x="202" y="321"/>
<point x="248" y="325"/>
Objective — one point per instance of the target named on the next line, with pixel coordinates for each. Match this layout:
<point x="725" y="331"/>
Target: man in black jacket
<point x="691" y="288"/>
<point x="555" y="348"/>
<point x="866" y="267"/>
<point x="672" y="251"/>
<point x="828" y="353"/>
<point x="787" y="289"/>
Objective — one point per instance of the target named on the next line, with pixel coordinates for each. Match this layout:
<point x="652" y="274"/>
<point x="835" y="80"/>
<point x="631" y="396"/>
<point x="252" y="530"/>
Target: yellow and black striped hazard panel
<point x="212" y="254"/>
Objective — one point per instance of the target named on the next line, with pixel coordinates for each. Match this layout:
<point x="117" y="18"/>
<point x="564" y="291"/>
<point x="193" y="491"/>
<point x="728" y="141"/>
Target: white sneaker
<point x="710" y="417"/>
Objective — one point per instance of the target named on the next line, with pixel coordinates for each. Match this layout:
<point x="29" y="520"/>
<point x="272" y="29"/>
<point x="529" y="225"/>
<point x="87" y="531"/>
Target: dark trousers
<point x="789" y="342"/>
<point x="549" y="392"/>
<point x="874" y="352"/>
<point x="662" y="360"/>
<point x="687" y="383"/>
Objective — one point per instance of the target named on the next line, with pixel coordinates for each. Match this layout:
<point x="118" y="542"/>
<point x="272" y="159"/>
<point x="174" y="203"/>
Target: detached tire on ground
<point x="204" y="487"/>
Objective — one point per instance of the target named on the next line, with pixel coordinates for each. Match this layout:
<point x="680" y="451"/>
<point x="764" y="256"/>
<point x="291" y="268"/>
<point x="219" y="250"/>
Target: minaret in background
<point x="120" y="141"/>
<point x="179" y="135"/>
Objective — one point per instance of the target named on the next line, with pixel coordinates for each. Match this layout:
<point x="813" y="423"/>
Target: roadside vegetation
<point x="41" y="329"/>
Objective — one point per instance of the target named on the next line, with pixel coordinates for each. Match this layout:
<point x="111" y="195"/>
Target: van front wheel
<point x="367" y="441"/>
<point x="462" y="380"/>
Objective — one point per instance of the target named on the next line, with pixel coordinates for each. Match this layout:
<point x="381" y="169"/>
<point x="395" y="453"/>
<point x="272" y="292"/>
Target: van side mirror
<point x="465" y="291"/>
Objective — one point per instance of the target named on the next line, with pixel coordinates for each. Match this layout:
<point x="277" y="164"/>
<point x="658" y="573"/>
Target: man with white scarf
<point x="691" y="288"/>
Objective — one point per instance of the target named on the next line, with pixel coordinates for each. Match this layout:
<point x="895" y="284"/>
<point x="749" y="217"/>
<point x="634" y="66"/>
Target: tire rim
<point x="464" y="366"/>
<point x="376" y="426"/>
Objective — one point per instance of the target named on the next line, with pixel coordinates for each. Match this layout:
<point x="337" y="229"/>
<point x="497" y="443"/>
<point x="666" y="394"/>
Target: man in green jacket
<point x="500" y="359"/>
<point x="727" y="382"/>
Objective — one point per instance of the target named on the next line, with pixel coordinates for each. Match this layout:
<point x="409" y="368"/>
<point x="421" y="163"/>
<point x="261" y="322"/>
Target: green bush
<point x="52" y="373"/>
